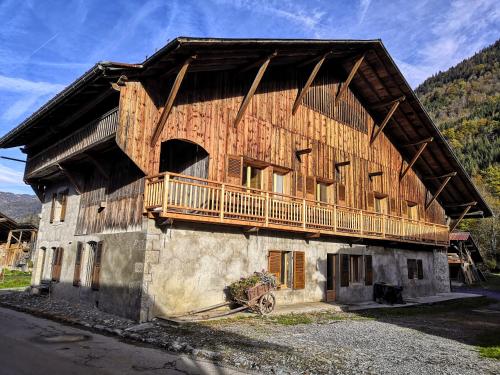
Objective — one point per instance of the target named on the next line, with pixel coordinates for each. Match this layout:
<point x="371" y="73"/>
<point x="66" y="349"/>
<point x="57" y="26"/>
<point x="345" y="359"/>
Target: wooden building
<point x="16" y="243"/>
<point x="164" y="181"/>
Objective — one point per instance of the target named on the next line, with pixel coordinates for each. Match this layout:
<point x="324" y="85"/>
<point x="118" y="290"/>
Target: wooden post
<point x="267" y="208"/>
<point x="335" y="218"/>
<point x="170" y="99"/>
<point x="304" y="213"/>
<point x="414" y="159"/>
<point x="440" y="189"/>
<point x="361" y="224"/>
<point x="222" y="198"/>
<point x="253" y="88"/>
<point x="166" y="181"/>
<point x="146" y="194"/>
<point x="347" y="82"/>
<point x="308" y="83"/>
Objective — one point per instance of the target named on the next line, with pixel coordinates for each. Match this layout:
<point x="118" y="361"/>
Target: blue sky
<point x="45" y="45"/>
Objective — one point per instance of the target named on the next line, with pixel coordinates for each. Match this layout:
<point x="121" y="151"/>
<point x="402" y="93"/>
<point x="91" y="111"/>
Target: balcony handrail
<point x="195" y="196"/>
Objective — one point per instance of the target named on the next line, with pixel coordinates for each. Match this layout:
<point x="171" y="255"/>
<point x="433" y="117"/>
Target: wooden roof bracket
<point x="72" y="179"/>
<point x="440" y="189"/>
<point x="120" y="83"/>
<point x="253" y="88"/>
<point x="421" y="149"/>
<point x="170" y="99"/>
<point x="464" y="212"/>
<point x="388" y="116"/>
<point x="347" y="82"/>
<point x="307" y="85"/>
<point x="375" y="174"/>
<point x="342" y="163"/>
<point x="299" y="153"/>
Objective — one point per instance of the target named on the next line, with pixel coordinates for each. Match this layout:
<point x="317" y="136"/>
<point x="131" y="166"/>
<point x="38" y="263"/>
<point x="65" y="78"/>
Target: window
<point x="252" y="177"/>
<point x="415" y="269"/>
<point x="368" y="270"/>
<point x="288" y="267"/>
<point x="58" y="206"/>
<point x="96" y="269"/>
<point x="356" y="268"/>
<point x="322" y="191"/>
<point x="412" y="210"/>
<point x="278" y="183"/>
<point x="380" y="205"/>
<point x="57" y="263"/>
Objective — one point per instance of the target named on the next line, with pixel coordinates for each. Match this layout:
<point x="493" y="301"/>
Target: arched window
<point x="184" y="157"/>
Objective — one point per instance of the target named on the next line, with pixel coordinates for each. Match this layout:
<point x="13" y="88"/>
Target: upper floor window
<point x="412" y="210"/>
<point x="58" y="206"/>
<point x="252" y="176"/>
<point x="278" y="183"/>
<point x="323" y="191"/>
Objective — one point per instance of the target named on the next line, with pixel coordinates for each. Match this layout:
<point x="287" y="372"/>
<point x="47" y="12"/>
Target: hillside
<point x="464" y="102"/>
<point x="20" y="207"/>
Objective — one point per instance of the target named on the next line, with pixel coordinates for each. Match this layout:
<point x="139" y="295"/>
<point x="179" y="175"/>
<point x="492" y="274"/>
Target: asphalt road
<point x="35" y="346"/>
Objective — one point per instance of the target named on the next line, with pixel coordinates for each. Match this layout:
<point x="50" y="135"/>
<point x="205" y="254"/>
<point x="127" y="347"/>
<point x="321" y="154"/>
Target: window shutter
<point x="404" y="208"/>
<point x="310" y="187"/>
<point x="64" y="200"/>
<point x="274" y="265"/>
<point x="234" y="166"/>
<point x="420" y="270"/>
<point x="78" y="264"/>
<point x="299" y="270"/>
<point x="53" y="208"/>
<point x="344" y="270"/>
<point x="370" y="199"/>
<point x="270" y="180"/>
<point x="57" y="263"/>
<point x="54" y="264"/>
<point x="393" y="206"/>
<point x="341" y="193"/>
<point x="97" y="267"/>
<point x="299" y="183"/>
<point x="368" y="270"/>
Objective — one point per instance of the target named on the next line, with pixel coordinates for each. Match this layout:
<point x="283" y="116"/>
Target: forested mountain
<point x="464" y="102"/>
<point x="20" y="207"/>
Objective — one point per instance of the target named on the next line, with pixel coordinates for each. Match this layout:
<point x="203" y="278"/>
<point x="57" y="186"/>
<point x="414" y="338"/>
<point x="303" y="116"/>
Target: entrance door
<point x="331" y="277"/>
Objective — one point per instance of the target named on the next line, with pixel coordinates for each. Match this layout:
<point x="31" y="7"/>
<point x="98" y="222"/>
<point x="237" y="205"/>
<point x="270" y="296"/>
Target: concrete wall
<point x="122" y="263"/>
<point x="188" y="266"/>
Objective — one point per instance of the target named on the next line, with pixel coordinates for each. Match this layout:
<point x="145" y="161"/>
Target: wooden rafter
<point x="427" y="140"/>
<point x="415" y="158"/>
<point x="97" y="165"/>
<point x="170" y="99"/>
<point x="388" y="103"/>
<point x="347" y="82"/>
<point x="462" y="215"/>
<point x="440" y="189"/>
<point x="308" y="83"/>
<point x="253" y="88"/>
<point x="71" y="178"/>
<point x="440" y="177"/>
<point x="460" y="205"/>
<point x="257" y="63"/>
<point x="381" y="127"/>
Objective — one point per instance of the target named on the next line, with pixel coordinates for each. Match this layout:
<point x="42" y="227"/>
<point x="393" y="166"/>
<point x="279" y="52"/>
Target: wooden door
<point x="331" y="277"/>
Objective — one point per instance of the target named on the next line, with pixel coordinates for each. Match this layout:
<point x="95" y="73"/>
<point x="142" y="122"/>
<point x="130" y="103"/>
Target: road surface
<point x="31" y="345"/>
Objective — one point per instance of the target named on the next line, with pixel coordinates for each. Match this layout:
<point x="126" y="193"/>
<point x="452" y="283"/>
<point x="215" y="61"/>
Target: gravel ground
<point x="339" y="343"/>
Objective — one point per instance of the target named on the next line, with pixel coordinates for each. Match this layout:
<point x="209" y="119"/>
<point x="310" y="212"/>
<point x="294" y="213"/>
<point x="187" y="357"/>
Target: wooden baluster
<point x="166" y="180"/>
<point x="222" y="193"/>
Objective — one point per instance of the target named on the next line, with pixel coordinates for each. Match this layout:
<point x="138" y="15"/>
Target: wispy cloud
<point x="24" y="85"/>
<point x="9" y="176"/>
<point x="363" y="5"/>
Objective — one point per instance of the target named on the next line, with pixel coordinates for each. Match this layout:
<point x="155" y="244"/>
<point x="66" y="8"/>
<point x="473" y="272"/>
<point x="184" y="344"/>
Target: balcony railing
<point x="91" y="134"/>
<point x="195" y="199"/>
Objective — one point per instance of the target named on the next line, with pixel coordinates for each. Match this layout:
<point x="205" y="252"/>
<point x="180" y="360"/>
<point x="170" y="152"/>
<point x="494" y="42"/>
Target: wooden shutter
<point x="368" y="270"/>
<point x="393" y="207"/>
<point x="54" y="264"/>
<point x="370" y="200"/>
<point x="64" y="201"/>
<point x="270" y="179"/>
<point x="420" y="270"/>
<point x="344" y="270"/>
<point x="78" y="264"/>
<point x="310" y="187"/>
<point x="234" y="168"/>
<point x="299" y="270"/>
<point x="274" y="264"/>
<point x="341" y="194"/>
<point x="53" y="208"/>
<point x="299" y="184"/>
<point x="96" y="269"/>
<point x="404" y="209"/>
<point x="57" y="264"/>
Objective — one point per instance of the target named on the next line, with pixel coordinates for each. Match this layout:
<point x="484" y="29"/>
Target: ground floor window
<point x="356" y="269"/>
<point x="415" y="269"/>
<point x="288" y="267"/>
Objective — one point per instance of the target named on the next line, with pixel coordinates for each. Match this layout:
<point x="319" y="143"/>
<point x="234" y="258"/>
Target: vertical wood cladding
<point x="204" y="113"/>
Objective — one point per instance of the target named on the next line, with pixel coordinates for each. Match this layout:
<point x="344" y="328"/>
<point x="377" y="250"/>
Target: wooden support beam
<point x="304" y="151"/>
<point x="308" y="83"/>
<point x="452" y="174"/>
<point x="427" y="140"/>
<point x="464" y="212"/>
<point x="253" y="88"/>
<point x="381" y="127"/>
<point x="313" y="235"/>
<point x="258" y="63"/>
<point x="347" y="82"/>
<point x="460" y="205"/>
<point x="170" y="99"/>
<point x="98" y="165"/>
<point x="388" y="103"/>
<point x="71" y="178"/>
<point x="375" y="174"/>
<point x="439" y="190"/>
<point x="342" y="163"/>
<point x="414" y="159"/>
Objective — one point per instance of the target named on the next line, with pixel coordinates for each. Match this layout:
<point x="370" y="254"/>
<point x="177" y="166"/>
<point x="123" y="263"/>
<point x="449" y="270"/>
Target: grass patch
<point x="291" y="319"/>
<point x="15" y="279"/>
<point x="489" y="344"/>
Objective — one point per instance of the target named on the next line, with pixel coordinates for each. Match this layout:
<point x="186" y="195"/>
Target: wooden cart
<point x="260" y="298"/>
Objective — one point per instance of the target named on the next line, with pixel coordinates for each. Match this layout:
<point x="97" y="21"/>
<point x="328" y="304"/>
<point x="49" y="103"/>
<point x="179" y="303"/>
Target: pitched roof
<point x="377" y="80"/>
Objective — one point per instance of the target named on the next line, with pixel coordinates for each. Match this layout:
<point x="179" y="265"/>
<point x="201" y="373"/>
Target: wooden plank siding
<point x="207" y="104"/>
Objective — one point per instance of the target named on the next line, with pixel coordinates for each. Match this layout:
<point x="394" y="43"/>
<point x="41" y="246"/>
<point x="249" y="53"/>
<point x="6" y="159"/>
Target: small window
<point x="278" y="183"/>
<point x="252" y="177"/>
<point x="58" y="206"/>
<point x="415" y="269"/>
<point x="288" y="267"/>
<point x="380" y="205"/>
<point x="356" y="268"/>
<point x="412" y="210"/>
<point x="322" y="192"/>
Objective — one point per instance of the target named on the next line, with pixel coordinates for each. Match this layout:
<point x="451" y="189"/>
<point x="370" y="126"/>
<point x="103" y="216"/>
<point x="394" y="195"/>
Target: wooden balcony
<point x="194" y="199"/>
<point x="96" y="132"/>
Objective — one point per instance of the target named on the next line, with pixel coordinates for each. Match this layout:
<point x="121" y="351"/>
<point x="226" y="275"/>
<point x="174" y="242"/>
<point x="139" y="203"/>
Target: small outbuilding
<point x="463" y="258"/>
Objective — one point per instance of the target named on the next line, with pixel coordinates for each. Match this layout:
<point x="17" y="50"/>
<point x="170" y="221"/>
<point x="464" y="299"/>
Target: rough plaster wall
<point x="187" y="266"/>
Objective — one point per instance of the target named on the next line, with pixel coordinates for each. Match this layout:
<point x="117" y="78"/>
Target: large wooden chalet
<point x="163" y="182"/>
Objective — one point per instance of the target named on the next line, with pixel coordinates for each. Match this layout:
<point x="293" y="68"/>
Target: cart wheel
<point x="266" y="303"/>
